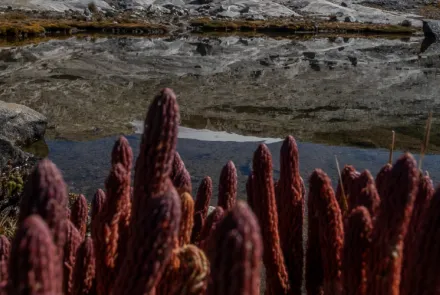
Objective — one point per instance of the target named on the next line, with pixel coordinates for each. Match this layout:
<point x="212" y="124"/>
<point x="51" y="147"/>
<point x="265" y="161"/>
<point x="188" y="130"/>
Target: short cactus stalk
<point x="79" y="215"/>
<point x="382" y="180"/>
<point x="157" y="150"/>
<point x="227" y="191"/>
<point x="5" y="250"/>
<point x="385" y="259"/>
<point x="180" y="176"/>
<point x="290" y="204"/>
<point x="73" y="242"/>
<point x="45" y="194"/>
<point x="363" y="192"/>
<point x="84" y="282"/>
<point x="204" y="194"/>
<point x="424" y="259"/>
<point x="33" y="262"/>
<point x="348" y="176"/>
<point x="187" y="220"/>
<point x="187" y="273"/>
<point x="326" y="237"/>
<point x="357" y="242"/>
<point x="277" y="280"/>
<point x="421" y="202"/>
<point x="97" y="205"/>
<point x="235" y="252"/>
<point x="153" y="240"/>
<point x="210" y="225"/>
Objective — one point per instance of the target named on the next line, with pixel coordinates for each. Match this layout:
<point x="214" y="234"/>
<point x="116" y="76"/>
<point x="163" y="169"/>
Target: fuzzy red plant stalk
<point x="204" y="194"/>
<point x="152" y="243"/>
<point x="182" y="182"/>
<point x="235" y="252"/>
<point x="122" y="153"/>
<point x="249" y="190"/>
<point x="424" y="259"/>
<point x="421" y="202"/>
<point x="277" y="280"/>
<point x="79" y="214"/>
<point x="348" y="175"/>
<point x="45" y="194"/>
<point x="187" y="220"/>
<point x="84" y="282"/>
<point x="187" y="273"/>
<point x="385" y="259"/>
<point x="5" y="250"/>
<point x="382" y="179"/>
<point x="363" y="192"/>
<point x="210" y="225"/>
<point x="114" y="222"/>
<point x="227" y="189"/>
<point x="357" y="242"/>
<point x="326" y="235"/>
<point x="73" y="241"/>
<point x="33" y="262"/>
<point x="157" y="150"/>
<point x="97" y="206"/>
<point x="290" y="204"/>
<point x="178" y="166"/>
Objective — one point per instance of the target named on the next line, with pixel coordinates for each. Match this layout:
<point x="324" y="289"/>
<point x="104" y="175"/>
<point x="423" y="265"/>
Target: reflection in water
<point x="85" y="165"/>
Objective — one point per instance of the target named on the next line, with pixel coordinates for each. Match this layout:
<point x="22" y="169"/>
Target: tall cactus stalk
<point x="187" y="220"/>
<point x="97" y="207"/>
<point x="210" y="225"/>
<point x="382" y="180"/>
<point x="84" y="282"/>
<point x="385" y="259"/>
<point x="227" y="190"/>
<point x="201" y="206"/>
<point x="33" y="262"/>
<point x="5" y="250"/>
<point x="277" y="280"/>
<point x="325" y="239"/>
<point x="357" y="242"/>
<point x="363" y="192"/>
<point x="290" y="204"/>
<point x="180" y="176"/>
<point x="235" y="251"/>
<point x="348" y="176"/>
<point x="73" y="241"/>
<point x="79" y="215"/>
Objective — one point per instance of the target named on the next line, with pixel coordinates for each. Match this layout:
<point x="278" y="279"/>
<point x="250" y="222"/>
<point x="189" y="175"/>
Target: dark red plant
<point x="227" y="190"/>
<point x="79" y="215"/>
<point x="201" y="207"/>
<point x="84" y="282"/>
<point x="5" y="250"/>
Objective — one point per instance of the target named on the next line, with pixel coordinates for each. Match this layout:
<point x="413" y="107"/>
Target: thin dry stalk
<point x="426" y="139"/>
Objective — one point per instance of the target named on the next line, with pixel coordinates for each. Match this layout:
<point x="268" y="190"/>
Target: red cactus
<point x="201" y="206"/>
<point x="290" y="204"/>
<point x="80" y="214"/>
<point x="84" y="272"/>
<point x="97" y="205"/>
<point x="265" y="209"/>
<point x="356" y="244"/>
<point x="187" y="220"/>
<point x="421" y="202"/>
<point x="235" y="251"/>
<point x="227" y="191"/>
<point x="382" y="180"/>
<point x="178" y="166"/>
<point x="5" y="249"/>
<point x="182" y="182"/>
<point x="157" y="150"/>
<point x="210" y="225"/>
<point x="154" y="238"/>
<point x="326" y="235"/>
<point x="45" y="194"/>
<point x="122" y="154"/>
<point x="363" y="192"/>
<point x="424" y="259"/>
<point x="348" y="176"/>
<point x="249" y="190"/>
<point x="187" y="273"/>
<point x="385" y="259"/>
<point x="33" y="262"/>
<point x="73" y="241"/>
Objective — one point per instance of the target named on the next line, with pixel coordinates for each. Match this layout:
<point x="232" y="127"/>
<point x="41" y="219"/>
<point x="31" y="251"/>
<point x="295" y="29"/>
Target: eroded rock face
<point x="21" y="125"/>
<point x="9" y="152"/>
<point x="431" y="28"/>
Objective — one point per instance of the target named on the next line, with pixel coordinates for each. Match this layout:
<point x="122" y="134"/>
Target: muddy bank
<point x="349" y="91"/>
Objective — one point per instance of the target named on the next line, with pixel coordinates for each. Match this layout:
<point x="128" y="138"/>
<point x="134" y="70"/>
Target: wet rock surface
<point x="335" y="90"/>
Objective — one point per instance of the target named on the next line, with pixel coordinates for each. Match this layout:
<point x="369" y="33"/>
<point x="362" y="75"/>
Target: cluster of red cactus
<point x="371" y="236"/>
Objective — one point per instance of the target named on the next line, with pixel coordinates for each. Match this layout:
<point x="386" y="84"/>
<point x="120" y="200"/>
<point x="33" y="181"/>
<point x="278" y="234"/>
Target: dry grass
<point x="431" y="11"/>
<point x="292" y="26"/>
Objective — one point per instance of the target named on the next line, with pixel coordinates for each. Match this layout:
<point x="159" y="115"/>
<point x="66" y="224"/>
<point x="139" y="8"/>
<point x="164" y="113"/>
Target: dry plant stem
<point x="385" y="259"/>
<point x="201" y="207"/>
<point x="290" y="204"/>
<point x="425" y="140"/>
<point x="227" y="191"/>
<point x="357" y="242"/>
<point x="235" y="251"/>
<point x="393" y="140"/>
<point x="277" y="279"/>
<point x="328" y="231"/>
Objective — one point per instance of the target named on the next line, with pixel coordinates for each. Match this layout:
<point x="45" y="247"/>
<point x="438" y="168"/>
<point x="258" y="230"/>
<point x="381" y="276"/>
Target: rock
<point x="406" y="23"/>
<point x="343" y="4"/>
<point x="431" y="28"/>
<point x="21" y="125"/>
<point x="9" y="152"/>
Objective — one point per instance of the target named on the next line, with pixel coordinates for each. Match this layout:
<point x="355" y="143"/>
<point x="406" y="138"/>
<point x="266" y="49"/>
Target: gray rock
<point x="229" y="14"/>
<point x="431" y="28"/>
<point x="21" y="125"/>
<point x="211" y="209"/>
<point x="9" y="152"/>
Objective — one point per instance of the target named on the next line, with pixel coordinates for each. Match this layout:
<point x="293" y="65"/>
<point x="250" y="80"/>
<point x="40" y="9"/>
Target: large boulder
<point x="431" y="28"/>
<point x="21" y="125"/>
<point x="10" y="152"/>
